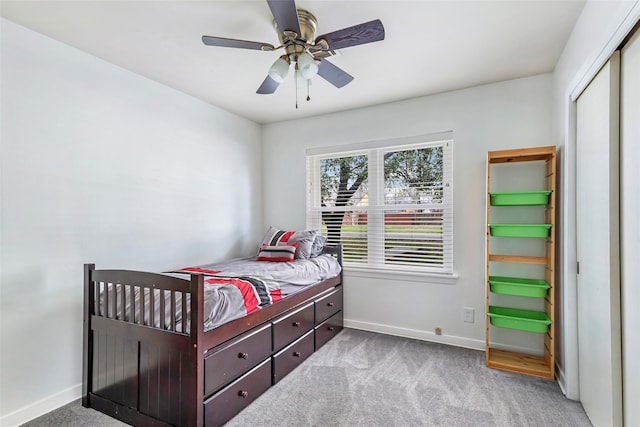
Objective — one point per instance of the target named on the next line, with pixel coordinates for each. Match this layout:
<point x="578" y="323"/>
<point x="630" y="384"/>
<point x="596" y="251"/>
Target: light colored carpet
<point x="366" y="379"/>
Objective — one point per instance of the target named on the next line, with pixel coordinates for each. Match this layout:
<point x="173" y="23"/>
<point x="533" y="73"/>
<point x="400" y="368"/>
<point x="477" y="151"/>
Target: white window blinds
<point x="389" y="205"/>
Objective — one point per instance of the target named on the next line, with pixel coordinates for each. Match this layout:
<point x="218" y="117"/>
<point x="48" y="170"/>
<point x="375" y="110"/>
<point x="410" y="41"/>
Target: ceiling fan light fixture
<point x="308" y="54"/>
<point x="279" y="70"/>
<point x="307" y="66"/>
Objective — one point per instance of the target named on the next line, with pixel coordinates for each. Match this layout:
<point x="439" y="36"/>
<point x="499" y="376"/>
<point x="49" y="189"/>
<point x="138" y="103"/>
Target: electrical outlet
<point x="467" y="314"/>
<point x="438" y="331"/>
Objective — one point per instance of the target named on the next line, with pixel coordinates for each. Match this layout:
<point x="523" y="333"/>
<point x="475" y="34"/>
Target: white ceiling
<point x="430" y="46"/>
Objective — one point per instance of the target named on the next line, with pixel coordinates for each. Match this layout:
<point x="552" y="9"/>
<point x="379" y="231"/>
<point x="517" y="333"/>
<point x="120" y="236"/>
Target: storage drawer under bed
<point x="292" y="326"/>
<point x="328" y="305"/>
<point x="290" y="357"/>
<point x="222" y="406"/>
<point x="328" y="329"/>
<point x="228" y="361"/>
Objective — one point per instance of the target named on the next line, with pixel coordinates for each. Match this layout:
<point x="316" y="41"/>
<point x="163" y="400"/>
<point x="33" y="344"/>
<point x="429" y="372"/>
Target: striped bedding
<point x="232" y="288"/>
<point x="237" y="287"/>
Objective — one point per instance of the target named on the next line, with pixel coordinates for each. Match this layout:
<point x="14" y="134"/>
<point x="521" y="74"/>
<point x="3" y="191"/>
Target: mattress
<point x="232" y="289"/>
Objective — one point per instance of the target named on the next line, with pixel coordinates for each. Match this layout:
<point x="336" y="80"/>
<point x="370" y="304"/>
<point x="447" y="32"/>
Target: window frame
<point x="376" y="190"/>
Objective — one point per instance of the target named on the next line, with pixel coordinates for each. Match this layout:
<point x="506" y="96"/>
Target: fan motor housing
<point x="308" y="26"/>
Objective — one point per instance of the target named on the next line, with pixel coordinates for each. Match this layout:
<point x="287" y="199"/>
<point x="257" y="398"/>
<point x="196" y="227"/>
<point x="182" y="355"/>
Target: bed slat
<point x="163" y="306"/>
<point x="123" y="301"/>
<point x="173" y="311"/>
<point x="183" y="325"/>
<point x="106" y="300"/>
<point x="152" y="307"/>
<point x="143" y="306"/>
<point x="96" y="299"/>
<point x="132" y="304"/>
<point x="114" y="312"/>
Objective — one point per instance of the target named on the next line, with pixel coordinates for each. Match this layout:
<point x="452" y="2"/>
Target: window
<point x="388" y="203"/>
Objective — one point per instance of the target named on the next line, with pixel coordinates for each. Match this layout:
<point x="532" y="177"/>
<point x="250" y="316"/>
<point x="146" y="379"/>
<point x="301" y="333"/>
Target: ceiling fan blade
<point x="268" y="86"/>
<point x="334" y="75"/>
<point x="243" y="44"/>
<point x="285" y="14"/>
<point x="368" y="32"/>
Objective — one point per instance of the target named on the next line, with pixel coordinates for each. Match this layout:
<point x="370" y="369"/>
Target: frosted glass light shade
<point x="307" y="66"/>
<point x="279" y="70"/>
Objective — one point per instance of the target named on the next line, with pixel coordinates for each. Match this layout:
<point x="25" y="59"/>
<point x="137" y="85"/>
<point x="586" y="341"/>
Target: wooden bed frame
<point x="150" y="376"/>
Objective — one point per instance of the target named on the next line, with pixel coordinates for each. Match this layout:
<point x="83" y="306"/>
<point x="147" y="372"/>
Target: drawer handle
<point x="331" y="328"/>
<point x="330" y="304"/>
<point x="297" y="354"/>
<point x="295" y="324"/>
<point x="243" y="393"/>
<point x="243" y="355"/>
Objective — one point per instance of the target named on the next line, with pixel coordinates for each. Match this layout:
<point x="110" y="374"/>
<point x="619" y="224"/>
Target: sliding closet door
<point x="597" y="215"/>
<point x="630" y="226"/>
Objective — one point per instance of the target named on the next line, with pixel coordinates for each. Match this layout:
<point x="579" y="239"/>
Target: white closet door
<point x="630" y="226"/>
<point x="597" y="201"/>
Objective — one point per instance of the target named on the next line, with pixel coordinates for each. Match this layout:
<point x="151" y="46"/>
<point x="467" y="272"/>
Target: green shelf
<point x="520" y="230"/>
<point x="533" y="288"/>
<point x="522" y="320"/>
<point x="521" y="198"/>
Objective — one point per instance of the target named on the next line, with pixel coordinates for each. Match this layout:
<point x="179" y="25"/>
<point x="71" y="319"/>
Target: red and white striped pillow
<point x="277" y="253"/>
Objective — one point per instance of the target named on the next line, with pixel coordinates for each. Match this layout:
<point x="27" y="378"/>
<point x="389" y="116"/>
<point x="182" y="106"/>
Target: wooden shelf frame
<point x="537" y="366"/>
<point x="541" y="366"/>
<point x="518" y="259"/>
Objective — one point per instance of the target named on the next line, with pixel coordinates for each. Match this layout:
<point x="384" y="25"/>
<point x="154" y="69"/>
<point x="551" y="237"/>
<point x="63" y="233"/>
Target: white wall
<point x="505" y="115"/>
<point x="101" y="165"/>
<point x="600" y="28"/>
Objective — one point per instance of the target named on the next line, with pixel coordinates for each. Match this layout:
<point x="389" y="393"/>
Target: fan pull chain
<point x="308" y="84"/>
<point x="296" y="80"/>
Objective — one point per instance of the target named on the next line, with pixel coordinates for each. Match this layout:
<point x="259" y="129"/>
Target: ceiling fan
<point x="296" y="30"/>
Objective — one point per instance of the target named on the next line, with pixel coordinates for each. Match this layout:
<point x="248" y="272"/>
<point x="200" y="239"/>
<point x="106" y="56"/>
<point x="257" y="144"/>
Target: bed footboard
<point x="140" y="363"/>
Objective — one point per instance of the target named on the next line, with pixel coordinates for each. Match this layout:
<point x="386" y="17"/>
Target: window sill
<point x="409" y="276"/>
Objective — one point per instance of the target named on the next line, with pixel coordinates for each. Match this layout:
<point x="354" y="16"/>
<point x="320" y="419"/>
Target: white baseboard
<point x="415" y="334"/>
<point x="41" y="407"/>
